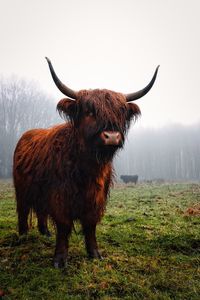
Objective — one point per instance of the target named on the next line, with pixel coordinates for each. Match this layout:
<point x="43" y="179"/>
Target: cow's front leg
<point x="89" y="231"/>
<point x="61" y="251"/>
<point x="42" y="224"/>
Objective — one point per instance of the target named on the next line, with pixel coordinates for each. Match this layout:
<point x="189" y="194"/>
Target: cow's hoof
<point x="45" y="232"/>
<point x="95" y="254"/>
<point x="23" y="232"/>
<point x="60" y="262"/>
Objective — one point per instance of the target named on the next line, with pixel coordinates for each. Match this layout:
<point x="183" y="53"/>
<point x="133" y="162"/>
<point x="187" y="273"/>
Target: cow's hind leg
<point x="89" y="231"/>
<point x="42" y="224"/>
<point x="62" y="237"/>
<point x="23" y="211"/>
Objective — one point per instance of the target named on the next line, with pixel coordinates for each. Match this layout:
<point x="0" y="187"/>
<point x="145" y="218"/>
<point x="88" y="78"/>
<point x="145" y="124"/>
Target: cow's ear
<point x="67" y="108"/>
<point x="133" y="110"/>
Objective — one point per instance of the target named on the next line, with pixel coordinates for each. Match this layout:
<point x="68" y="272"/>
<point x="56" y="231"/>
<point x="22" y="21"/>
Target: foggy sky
<point x="114" y="44"/>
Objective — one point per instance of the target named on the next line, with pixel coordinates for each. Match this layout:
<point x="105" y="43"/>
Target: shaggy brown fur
<point x="65" y="172"/>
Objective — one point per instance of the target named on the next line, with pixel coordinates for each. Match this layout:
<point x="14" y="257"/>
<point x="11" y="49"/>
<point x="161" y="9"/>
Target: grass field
<point x="149" y="239"/>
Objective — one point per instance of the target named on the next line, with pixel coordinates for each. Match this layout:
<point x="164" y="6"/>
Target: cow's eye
<point x="89" y="113"/>
<point x="123" y="110"/>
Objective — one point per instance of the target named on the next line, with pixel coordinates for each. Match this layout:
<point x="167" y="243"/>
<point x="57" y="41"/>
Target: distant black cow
<point x="129" y="178"/>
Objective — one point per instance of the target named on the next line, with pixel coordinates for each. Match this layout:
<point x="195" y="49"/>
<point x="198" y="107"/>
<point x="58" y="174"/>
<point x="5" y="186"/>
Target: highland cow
<point x="129" y="178"/>
<point x="65" y="172"/>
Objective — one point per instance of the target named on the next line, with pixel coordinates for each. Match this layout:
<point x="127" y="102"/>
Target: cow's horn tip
<point x="48" y="60"/>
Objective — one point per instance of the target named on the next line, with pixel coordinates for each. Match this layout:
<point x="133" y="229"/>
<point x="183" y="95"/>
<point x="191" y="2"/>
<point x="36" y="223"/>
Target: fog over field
<point x="170" y="153"/>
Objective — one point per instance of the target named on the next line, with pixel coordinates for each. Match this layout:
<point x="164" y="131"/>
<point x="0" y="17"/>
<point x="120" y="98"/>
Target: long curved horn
<point x="144" y="91"/>
<point x="63" y="88"/>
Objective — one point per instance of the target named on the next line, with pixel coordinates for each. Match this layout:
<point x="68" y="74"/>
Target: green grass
<point x="151" y="250"/>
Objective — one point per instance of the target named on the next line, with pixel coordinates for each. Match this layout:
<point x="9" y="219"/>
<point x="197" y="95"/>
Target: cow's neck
<point x="88" y="165"/>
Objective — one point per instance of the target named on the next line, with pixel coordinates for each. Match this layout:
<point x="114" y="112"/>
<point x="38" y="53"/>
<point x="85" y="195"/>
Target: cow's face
<point x="101" y="117"/>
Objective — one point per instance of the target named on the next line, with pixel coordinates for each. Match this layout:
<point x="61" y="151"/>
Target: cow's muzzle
<point x="113" y="138"/>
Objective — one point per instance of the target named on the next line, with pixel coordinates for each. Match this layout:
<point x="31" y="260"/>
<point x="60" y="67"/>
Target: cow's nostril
<point x="106" y="135"/>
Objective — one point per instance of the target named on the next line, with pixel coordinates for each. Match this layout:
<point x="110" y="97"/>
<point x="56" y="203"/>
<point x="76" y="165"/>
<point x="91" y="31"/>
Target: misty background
<point x="106" y="44"/>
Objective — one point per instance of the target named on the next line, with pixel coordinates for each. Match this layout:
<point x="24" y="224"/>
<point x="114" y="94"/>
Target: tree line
<point x="23" y="105"/>
<point x="169" y="153"/>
